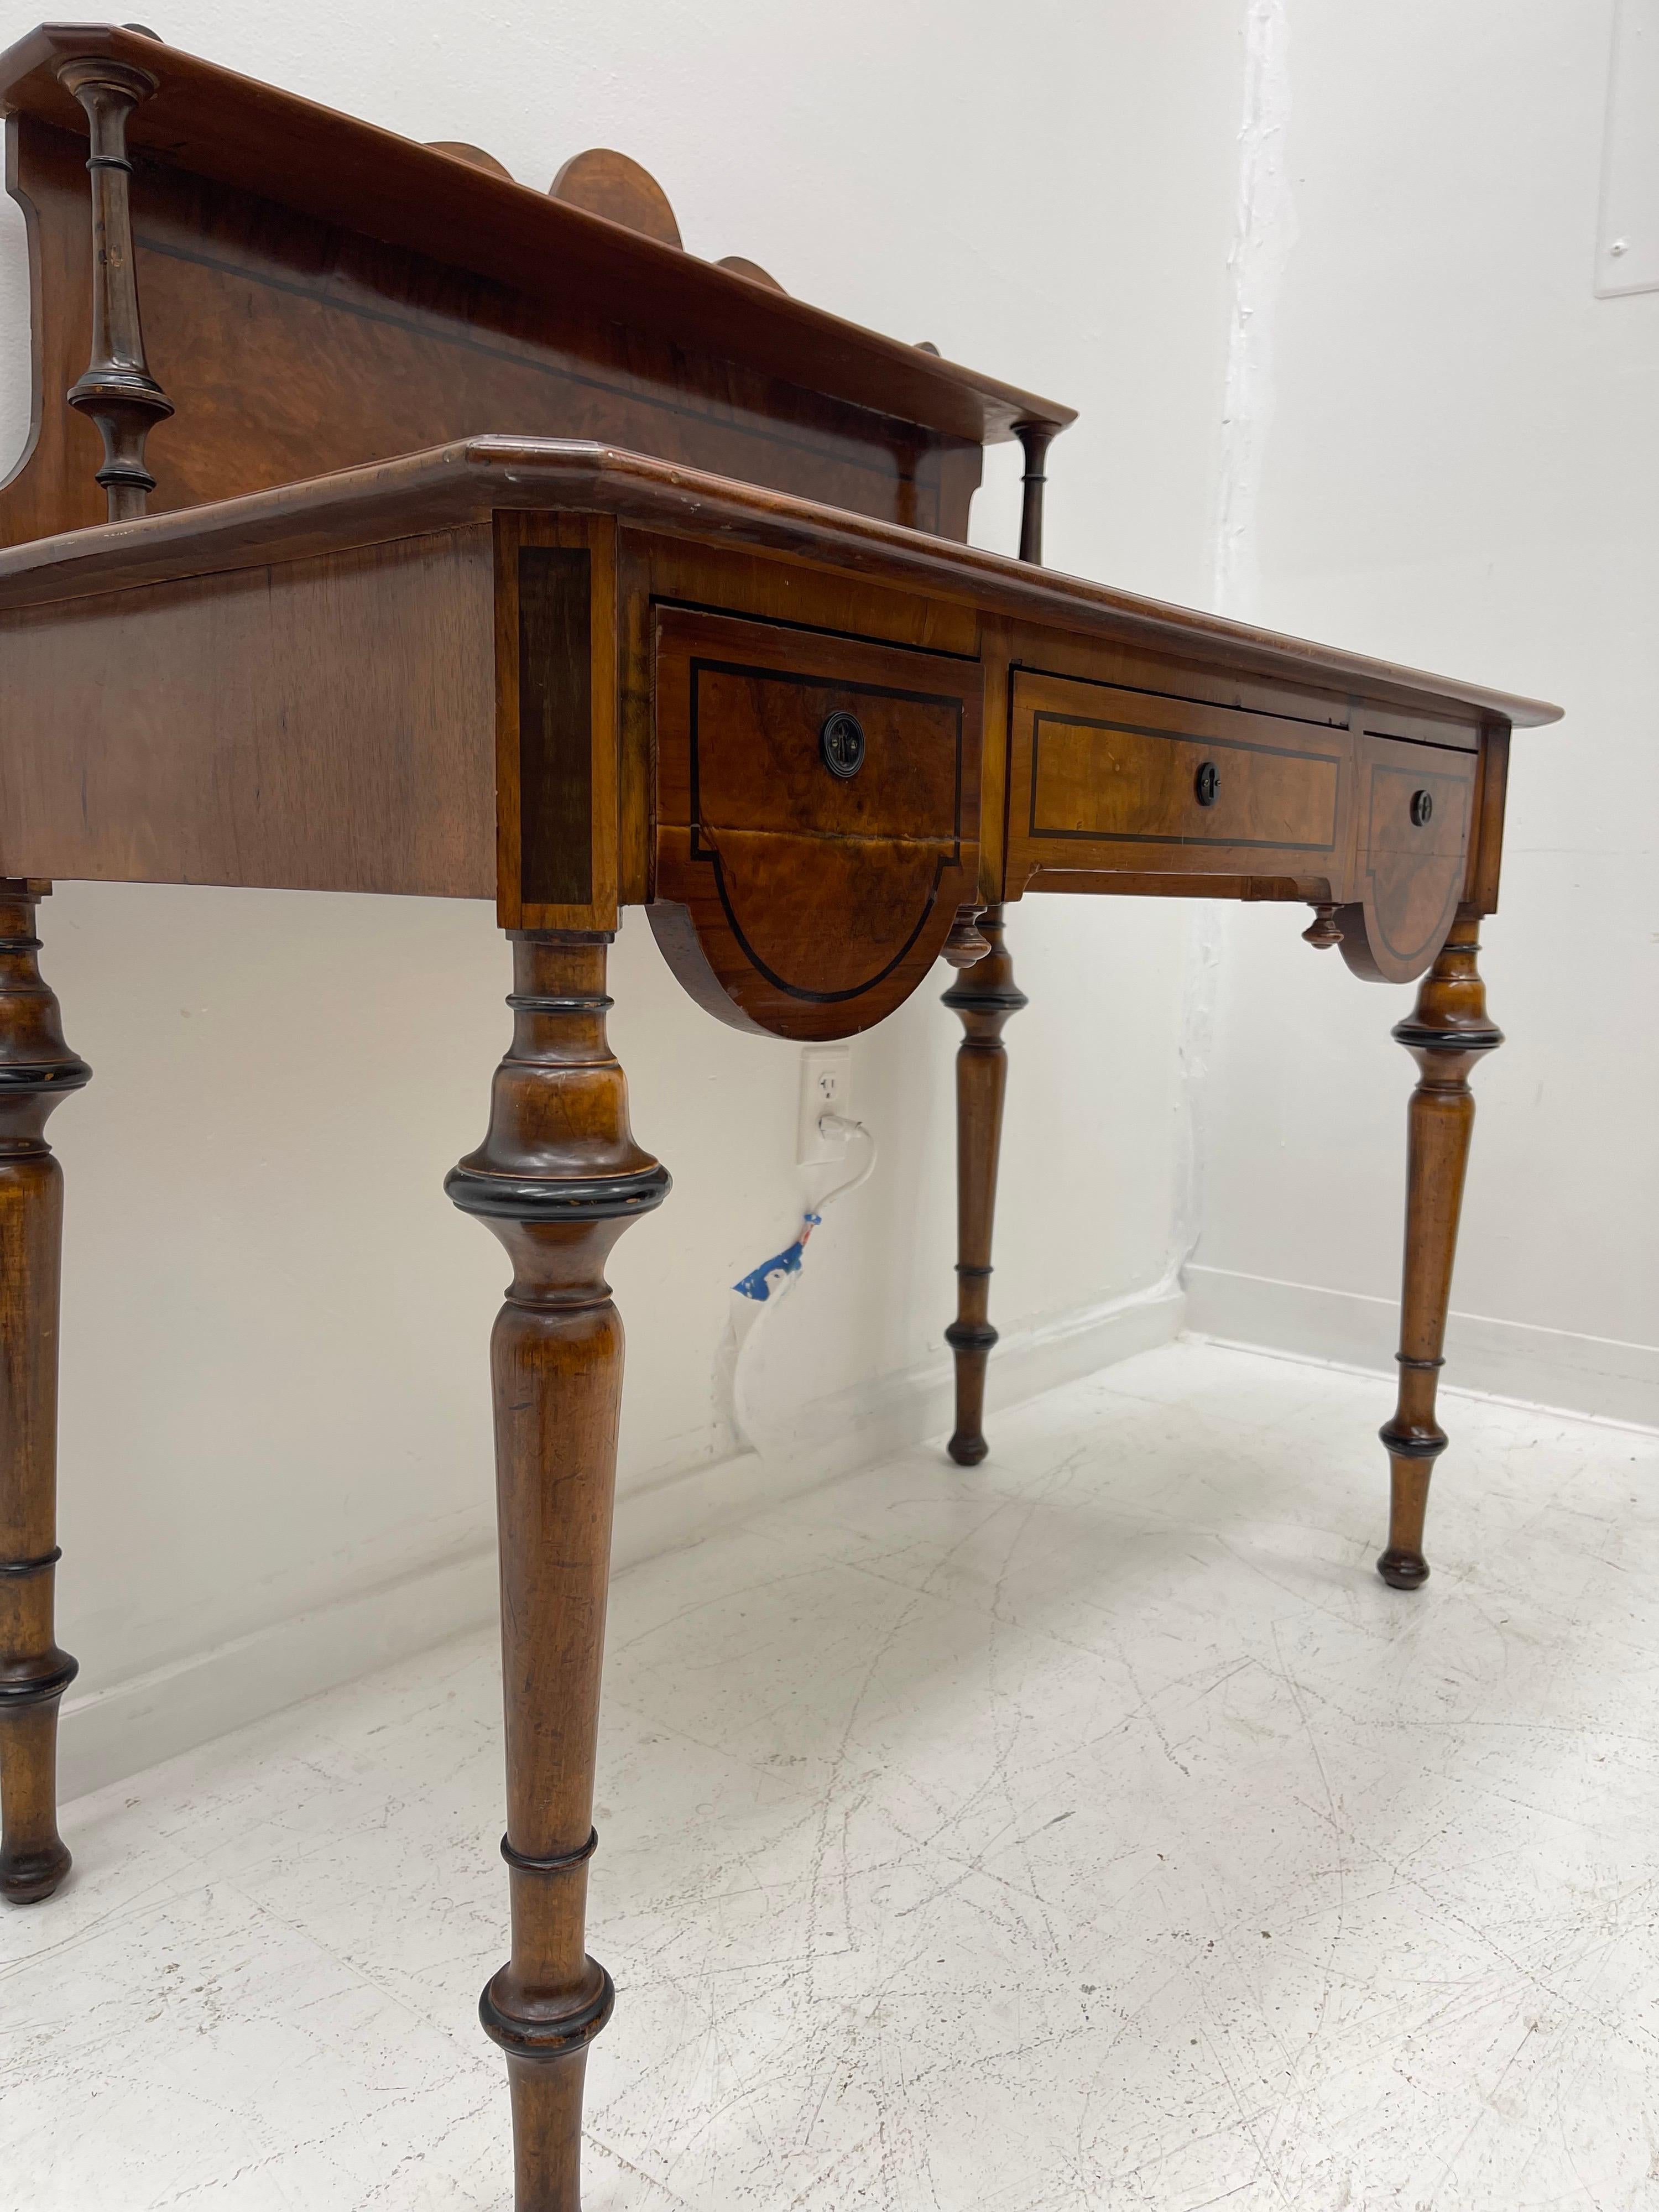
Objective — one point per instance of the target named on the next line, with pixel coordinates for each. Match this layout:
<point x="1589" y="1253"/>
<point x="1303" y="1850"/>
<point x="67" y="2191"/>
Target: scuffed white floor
<point x="1090" y="1829"/>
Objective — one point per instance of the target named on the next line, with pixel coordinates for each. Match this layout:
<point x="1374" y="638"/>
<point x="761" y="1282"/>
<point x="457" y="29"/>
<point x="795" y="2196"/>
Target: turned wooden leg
<point x="986" y="996"/>
<point x="36" y="1068"/>
<point x="557" y="1178"/>
<point x="1445" y="1035"/>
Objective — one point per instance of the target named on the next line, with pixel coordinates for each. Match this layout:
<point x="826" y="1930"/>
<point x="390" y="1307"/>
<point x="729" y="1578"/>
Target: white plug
<point x="826" y="1095"/>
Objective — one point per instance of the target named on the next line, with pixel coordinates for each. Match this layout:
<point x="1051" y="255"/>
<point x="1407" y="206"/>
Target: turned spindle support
<point x="116" y="390"/>
<point x="1446" y="1034"/>
<point x="1034" y="439"/>
<point x="985" y="998"/>
<point x="1322" y="932"/>
<point x="967" y="943"/>
<point x="36" y="1068"/>
<point x="557" y="1179"/>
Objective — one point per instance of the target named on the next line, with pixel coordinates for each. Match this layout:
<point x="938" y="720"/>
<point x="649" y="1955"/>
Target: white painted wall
<point x="275" y="1461"/>
<point x="1459" y="467"/>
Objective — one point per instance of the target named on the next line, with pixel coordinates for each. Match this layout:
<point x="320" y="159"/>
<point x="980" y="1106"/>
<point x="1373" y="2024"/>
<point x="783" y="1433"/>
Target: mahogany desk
<point x="701" y="636"/>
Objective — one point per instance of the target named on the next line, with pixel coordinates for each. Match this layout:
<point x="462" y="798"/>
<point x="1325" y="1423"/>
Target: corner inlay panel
<point x="556" y="757"/>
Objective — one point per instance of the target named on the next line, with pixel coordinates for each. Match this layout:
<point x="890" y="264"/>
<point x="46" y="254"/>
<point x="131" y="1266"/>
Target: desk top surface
<point x="465" y="481"/>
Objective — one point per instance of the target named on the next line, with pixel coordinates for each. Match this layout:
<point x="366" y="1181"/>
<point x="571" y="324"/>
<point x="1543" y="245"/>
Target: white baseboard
<point x="855" y="1428"/>
<point x="108" y="1733"/>
<point x="1548" y="1367"/>
<point x="105" y="1734"/>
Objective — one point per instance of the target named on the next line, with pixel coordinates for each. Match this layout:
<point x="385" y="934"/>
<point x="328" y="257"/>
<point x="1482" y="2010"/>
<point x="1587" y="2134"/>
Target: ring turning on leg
<point x="1445" y="1033"/>
<point x="557" y="1179"/>
<point x="37" y="1069"/>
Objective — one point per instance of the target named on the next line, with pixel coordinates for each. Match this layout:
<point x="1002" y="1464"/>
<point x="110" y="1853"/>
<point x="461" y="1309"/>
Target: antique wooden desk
<point x="700" y="634"/>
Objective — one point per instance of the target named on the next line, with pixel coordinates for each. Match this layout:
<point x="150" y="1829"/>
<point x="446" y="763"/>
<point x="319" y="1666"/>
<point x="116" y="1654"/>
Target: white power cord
<point x="757" y="1292"/>
<point x="836" y="1124"/>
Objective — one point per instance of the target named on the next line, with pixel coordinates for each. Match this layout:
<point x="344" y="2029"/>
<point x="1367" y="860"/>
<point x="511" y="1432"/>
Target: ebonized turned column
<point x="36" y="1069"/>
<point x="985" y="996"/>
<point x="116" y="389"/>
<point x="557" y="1178"/>
<point x="1446" y="1034"/>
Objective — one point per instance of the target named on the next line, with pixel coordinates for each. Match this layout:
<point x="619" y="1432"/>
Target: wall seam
<point x="1263" y="236"/>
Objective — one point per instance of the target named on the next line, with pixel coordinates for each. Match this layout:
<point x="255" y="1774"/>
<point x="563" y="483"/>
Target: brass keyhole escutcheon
<point x="1422" y="809"/>
<point x="1207" y="784"/>
<point x="840" y="744"/>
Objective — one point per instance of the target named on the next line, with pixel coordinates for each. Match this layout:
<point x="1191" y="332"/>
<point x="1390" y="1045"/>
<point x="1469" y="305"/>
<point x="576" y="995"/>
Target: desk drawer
<point x="817" y="814"/>
<point x="1102" y="778"/>
<point x="1416" y="805"/>
<point x="846" y="741"/>
<point x="1117" y="790"/>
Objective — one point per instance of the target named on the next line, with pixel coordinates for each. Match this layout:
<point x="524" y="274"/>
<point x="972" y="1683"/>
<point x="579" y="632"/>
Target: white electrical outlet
<point x="826" y="1087"/>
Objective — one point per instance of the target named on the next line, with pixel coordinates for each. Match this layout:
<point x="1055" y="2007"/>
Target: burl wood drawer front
<point x="1101" y="778"/>
<point x="818" y="815"/>
<point x="1416" y="805"/>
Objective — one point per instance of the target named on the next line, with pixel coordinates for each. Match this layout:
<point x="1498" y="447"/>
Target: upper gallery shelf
<point x="230" y="130"/>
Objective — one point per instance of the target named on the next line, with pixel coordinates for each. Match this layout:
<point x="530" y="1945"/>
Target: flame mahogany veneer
<point x="388" y="525"/>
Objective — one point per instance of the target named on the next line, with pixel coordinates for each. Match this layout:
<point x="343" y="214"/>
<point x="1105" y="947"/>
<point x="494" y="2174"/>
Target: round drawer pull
<point x="1207" y="784"/>
<point x="1422" y="809"/>
<point x="841" y="744"/>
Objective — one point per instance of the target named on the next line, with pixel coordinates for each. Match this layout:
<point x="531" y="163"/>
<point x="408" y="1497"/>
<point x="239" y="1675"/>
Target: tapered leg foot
<point x="37" y="1069"/>
<point x="971" y="1346"/>
<point x="557" y="1178"/>
<point x="1446" y="1034"/>
<point x="1412" y="1455"/>
<point x="1402" y="1570"/>
<point x="986" y="997"/>
<point x="33" y="1858"/>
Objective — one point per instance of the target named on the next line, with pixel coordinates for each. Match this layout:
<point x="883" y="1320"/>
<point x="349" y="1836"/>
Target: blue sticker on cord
<point x="757" y="1285"/>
